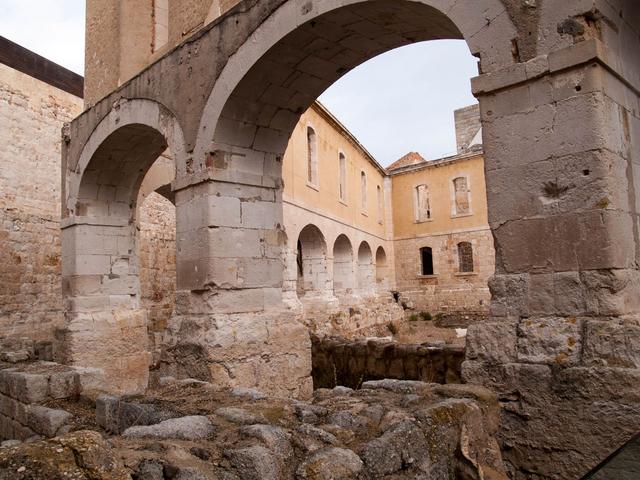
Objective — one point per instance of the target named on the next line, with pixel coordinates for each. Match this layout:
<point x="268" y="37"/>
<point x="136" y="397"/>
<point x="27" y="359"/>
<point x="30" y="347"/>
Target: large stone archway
<point x="558" y="93"/>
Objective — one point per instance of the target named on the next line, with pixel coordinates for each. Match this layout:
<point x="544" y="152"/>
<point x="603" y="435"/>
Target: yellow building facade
<point x="444" y="254"/>
<point x="424" y="222"/>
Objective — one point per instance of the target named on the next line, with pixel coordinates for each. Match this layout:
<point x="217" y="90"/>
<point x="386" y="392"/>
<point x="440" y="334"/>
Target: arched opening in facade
<point x="311" y="260"/>
<point x="366" y="268"/>
<point x="382" y="269"/>
<point x="343" y="266"/>
<point x="260" y="96"/>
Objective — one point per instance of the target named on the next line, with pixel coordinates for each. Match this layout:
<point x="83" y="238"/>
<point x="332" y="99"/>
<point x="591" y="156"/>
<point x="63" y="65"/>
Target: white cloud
<point x="51" y="28"/>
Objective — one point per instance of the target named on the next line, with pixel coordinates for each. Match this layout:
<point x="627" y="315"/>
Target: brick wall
<point x="157" y="264"/>
<point x="32" y="114"/>
<point x="31" y="117"/>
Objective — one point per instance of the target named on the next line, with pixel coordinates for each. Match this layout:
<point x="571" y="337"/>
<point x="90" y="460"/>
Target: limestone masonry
<point x="211" y="216"/>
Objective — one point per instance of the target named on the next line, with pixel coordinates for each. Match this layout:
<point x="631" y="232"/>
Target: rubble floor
<point x="388" y="429"/>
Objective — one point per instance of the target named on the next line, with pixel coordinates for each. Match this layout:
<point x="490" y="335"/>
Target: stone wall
<point x="338" y="361"/>
<point x="448" y="290"/>
<point x="31" y="117"/>
<point x="24" y="390"/>
<point x="194" y="430"/>
<point x="467" y="126"/>
<point x="157" y="242"/>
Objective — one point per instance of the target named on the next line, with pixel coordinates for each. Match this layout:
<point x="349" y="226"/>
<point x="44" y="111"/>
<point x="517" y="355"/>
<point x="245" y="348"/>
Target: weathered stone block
<point x="107" y="412"/>
<point x="509" y="295"/>
<point x="492" y="342"/>
<point x="64" y="385"/>
<point x="554" y="340"/>
<point x="28" y="387"/>
<point x="612" y="343"/>
<point x="47" y="421"/>
<point x="90" y="379"/>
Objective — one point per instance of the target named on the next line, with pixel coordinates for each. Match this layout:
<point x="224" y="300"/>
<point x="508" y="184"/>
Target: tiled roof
<point x="411" y="158"/>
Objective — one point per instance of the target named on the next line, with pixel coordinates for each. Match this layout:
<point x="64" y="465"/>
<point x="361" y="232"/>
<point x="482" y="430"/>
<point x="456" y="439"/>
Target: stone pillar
<point x="562" y="348"/>
<point x="104" y="326"/>
<point x="230" y="325"/>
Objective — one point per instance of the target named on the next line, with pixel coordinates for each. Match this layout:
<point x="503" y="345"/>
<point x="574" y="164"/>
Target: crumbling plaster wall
<point x="31" y="116"/>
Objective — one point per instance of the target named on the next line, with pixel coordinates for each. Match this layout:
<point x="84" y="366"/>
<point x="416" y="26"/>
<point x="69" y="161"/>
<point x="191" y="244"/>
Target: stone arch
<point x="270" y="81"/>
<point x="311" y="261"/>
<point x="366" y="268"/>
<point x="148" y="124"/>
<point x="100" y="259"/>
<point x="382" y="268"/>
<point x="343" y="274"/>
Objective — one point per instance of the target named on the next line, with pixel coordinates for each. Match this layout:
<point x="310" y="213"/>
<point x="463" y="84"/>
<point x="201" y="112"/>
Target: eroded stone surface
<point x="360" y="434"/>
<point x="183" y="428"/>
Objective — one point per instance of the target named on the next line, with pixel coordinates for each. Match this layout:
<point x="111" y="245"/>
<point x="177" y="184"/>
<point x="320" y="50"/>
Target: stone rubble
<point x="387" y="429"/>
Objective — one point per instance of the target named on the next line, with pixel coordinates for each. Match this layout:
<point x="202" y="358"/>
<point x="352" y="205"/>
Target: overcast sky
<point x="398" y="102"/>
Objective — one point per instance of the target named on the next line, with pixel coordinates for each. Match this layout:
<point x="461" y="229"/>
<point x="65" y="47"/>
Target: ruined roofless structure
<point x="558" y="90"/>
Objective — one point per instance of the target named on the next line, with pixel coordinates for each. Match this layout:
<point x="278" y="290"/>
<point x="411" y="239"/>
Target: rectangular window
<point x="380" y="204"/>
<point x="423" y="203"/>
<point x="461" y="196"/>
<point x="343" y="177"/>
<point x="426" y="258"/>
<point x="363" y="192"/>
<point x="465" y="257"/>
<point x="312" y="157"/>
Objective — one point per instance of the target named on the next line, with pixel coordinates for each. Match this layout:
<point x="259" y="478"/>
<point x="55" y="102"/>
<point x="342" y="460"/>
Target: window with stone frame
<point x="422" y="203"/>
<point x="380" y="203"/>
<point x="426" y="260"/>
<point x="465" y="257"/>
<point x="461" y="195"/>
<point x="312" y="156"/>
<point x="342" y="168"/>
<point x="363" y="190"/>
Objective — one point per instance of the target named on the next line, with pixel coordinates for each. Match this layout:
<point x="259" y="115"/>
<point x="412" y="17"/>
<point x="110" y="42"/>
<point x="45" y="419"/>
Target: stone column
<point x="562" y="348"/>
<point x="230" y="325"/>
<point x="104" y="326"/>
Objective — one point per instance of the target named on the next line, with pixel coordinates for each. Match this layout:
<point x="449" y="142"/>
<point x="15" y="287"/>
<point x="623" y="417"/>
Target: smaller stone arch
<point x="100" y="264"/>
<point x="382" y="268"/>
<point x="311" y="259"/>
<point x="121" y="149"/>
<point x="343" y="272"/>
<point x="366" y="268"/>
